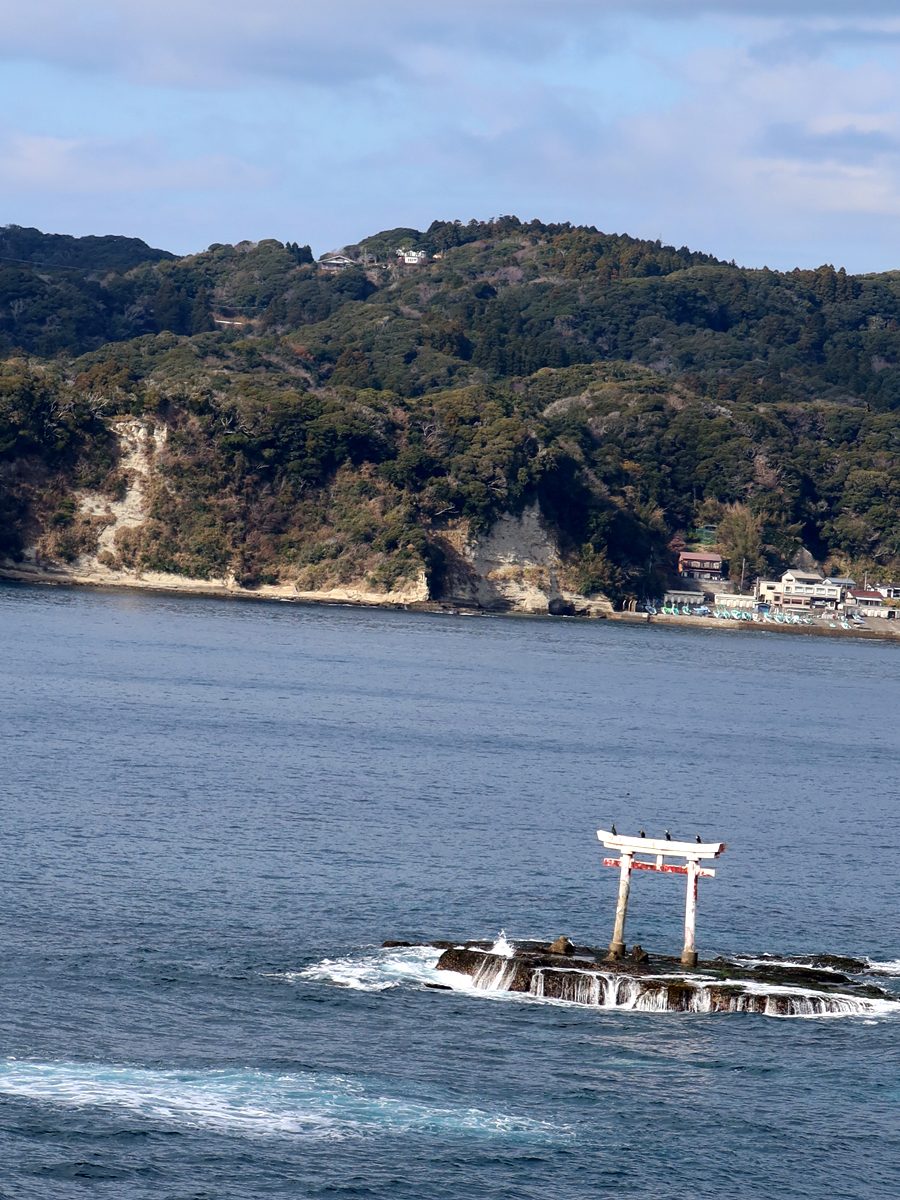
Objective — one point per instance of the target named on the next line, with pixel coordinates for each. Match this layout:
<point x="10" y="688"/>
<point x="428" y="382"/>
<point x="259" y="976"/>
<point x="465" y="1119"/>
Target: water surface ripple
<point x="214" y="811"/>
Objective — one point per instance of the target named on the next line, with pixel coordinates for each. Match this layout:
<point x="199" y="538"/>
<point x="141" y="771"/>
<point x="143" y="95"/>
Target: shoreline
<point x="354" y="598"/>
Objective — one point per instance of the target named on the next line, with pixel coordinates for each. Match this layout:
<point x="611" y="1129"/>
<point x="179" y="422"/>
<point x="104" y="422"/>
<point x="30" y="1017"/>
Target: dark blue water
<point x="203" y="800"/>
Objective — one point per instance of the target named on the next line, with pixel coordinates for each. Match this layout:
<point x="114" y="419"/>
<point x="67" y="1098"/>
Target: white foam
<point x="748" y="961"/>
<point x="503" y="947"/>
<point x="253" y="1103"/>
<point x="372" y="970"/>
<point x="891" y="967"/>
<point x="610" y="990"/>
<point x="414" y="966"/>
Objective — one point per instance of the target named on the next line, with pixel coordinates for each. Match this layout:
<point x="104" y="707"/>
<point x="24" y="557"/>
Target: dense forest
<point x="332" y="419"/>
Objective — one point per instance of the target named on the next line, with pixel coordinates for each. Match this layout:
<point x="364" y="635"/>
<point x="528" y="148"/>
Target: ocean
<point x="215" y="812"/>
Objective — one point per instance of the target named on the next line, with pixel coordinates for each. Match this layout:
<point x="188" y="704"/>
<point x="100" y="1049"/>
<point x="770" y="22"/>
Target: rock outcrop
<point x="140" y="445"/>
<point x="662" y="984"/>
<point x="515" y="567"/>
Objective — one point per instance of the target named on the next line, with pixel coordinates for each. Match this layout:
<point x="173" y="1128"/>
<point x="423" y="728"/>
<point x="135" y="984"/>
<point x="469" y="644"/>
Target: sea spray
<point x="471" y="968"/>
<point x="502" y="947"/>
<point x="481" y="972"/>
<point x="255" y="1103"/>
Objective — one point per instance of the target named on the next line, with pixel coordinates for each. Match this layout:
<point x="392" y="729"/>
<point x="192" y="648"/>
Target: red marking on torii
<point x="665" y="868"/>
<point x="692" y="853"/>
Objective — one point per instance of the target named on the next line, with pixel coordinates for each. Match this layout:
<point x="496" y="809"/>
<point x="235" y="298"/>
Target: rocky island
<point x="820" y="985"/>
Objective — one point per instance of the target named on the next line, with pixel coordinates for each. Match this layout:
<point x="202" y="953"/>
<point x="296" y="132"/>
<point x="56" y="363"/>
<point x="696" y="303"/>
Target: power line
<point x="30" y="262"/>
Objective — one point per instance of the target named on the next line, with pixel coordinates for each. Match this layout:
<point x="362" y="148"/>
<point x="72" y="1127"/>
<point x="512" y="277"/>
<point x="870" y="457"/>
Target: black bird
<point x="612" y="830"/>
<point x="699" y="838"/>
<point x="643" y="834"/>
<point x="668" y="836"/>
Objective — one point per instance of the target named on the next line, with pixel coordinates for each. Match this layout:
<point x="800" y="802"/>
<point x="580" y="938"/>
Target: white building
<point x="800" y="590"/>
<point x="732" y="600"/>
<point x="869" y="603"/>
<point x="816" y="592"/>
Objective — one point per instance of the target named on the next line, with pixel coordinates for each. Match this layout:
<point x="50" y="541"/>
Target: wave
<point x="255" y="1103"/>
<point x="891" y="967"/>
<point x="371" y="970"/>
<point x="495" y="977"/>
<point x="695" y="993"/>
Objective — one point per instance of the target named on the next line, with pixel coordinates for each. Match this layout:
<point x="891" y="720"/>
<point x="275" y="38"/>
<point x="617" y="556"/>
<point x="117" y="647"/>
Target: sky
<point x="761" y="131"/>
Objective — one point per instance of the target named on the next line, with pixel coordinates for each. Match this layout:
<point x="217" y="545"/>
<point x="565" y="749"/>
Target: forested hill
<point x="93" y="255"/>
<point x="342" y="413"/>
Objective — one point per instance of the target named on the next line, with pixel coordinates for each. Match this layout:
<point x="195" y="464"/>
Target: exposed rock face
<point x="662" y="985"/>
<point x="140" y="442"/>
<point x="515" y="567"/>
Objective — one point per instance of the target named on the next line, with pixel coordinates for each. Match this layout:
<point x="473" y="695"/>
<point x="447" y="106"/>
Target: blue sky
<point x="760" y="131"/>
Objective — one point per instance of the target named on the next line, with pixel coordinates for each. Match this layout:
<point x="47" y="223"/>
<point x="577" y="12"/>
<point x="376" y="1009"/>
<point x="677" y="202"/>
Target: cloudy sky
<point x="764" y="131"/>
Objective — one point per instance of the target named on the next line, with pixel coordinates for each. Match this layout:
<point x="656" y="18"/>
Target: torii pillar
<point x="692" y="852"/>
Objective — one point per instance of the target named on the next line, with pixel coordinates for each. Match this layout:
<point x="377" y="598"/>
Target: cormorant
<point x="668" y="836"/>
<point x="612" y="830"/>
<point x="699" y="838"/>
<point x="642" y="834"/>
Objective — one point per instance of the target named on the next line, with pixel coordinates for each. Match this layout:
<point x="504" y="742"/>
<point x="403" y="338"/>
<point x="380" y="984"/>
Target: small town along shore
<point x="890" y="631"/>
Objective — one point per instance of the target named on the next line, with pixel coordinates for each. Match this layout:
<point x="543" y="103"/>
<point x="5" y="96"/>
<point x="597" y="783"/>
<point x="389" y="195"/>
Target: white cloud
<point x="84" y="166"/>
<point x="745" y="132"/>
<point x="222" y="42"/>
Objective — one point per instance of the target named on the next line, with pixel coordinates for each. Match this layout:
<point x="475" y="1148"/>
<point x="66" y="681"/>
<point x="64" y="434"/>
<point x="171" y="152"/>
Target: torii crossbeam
<point x="658" y="851"/>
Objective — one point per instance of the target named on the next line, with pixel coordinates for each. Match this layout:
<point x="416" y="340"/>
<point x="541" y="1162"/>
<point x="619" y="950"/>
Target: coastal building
<point x="869" y="603"/>
<point x="797" y="586"/>
<point x="766" y="591"/>
<point x="411" y="258"/>
<point x="800" y="591"/>
<point x="694" y="564"/>
<point x="689" y="593"/>
<point x="730" y="600"/>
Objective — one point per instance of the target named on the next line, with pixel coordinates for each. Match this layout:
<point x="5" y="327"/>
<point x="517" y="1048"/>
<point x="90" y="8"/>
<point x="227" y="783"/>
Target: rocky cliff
<point x="516" y="566"/>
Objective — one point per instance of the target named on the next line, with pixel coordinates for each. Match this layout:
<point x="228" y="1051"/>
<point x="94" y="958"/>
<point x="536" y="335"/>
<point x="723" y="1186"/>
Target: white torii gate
<point x="659" y="850"/>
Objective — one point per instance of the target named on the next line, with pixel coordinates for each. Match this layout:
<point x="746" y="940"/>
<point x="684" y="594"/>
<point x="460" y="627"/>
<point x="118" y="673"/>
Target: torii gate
<point x="691" y="852"/>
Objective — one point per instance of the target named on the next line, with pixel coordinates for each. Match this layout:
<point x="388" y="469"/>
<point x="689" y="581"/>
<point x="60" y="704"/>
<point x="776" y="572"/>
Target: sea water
<point x="213" y="813"/>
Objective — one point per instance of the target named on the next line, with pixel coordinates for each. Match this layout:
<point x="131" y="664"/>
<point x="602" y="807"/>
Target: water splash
<point x="495" y="974"/>
<point x="499" y="977"/>
<point x="892" y="967"/>
<point x="371" y="970"/>
<point x="503" y="947"/>
<point x="696" y="994"/>
<point x="255" y="1103"/>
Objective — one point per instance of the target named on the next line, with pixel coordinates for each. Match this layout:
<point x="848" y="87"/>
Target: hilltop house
<point x="411" y="258"/>
<point x="335" y="262"/>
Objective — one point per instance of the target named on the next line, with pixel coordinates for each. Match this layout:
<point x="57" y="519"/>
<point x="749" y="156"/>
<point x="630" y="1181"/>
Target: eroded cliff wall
<point x="516" y="566"/>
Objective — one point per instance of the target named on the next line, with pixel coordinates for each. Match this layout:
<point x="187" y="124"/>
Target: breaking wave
<point x="892" y="967"/>
<point x="415" y="966"/>
<point x="254" y="1103"/>
<point x="372" y="970"/>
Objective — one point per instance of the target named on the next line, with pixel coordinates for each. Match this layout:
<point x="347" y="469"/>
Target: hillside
<point x="370" y="423"/>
